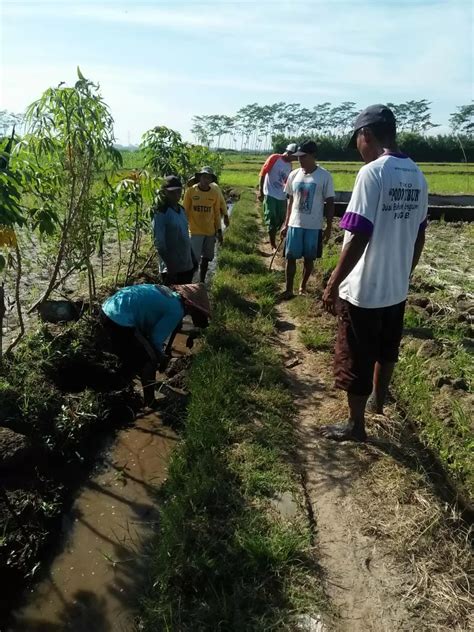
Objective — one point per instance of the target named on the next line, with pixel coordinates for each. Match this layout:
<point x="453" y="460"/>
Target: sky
<point x="160" y="63"/>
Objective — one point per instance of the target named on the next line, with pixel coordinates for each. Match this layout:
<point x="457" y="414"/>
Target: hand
<point x="260" y="197"/>
<point x="219" y="236"/>
<point x="283" y="232"/>
<point x="226" y="221"/>
<point x="327" y="234"/>
<point x="330" y="296"/>
<point x="163" y="363"/>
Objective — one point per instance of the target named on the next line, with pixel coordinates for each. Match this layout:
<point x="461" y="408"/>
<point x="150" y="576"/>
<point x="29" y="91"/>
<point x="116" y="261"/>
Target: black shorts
<point x="126" y="345"/>
<point x="364" y="337"/>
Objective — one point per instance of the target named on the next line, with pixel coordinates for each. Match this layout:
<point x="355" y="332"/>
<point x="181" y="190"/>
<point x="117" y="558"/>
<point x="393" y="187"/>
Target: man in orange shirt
<point x="273" y="177"/>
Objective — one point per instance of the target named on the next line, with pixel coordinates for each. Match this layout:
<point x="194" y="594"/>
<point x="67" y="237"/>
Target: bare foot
<point x="343" y="432"/>
<point x="371" y="406"/>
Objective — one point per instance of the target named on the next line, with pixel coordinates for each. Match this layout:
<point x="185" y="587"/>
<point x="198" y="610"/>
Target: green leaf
<point x="80" y="75"/>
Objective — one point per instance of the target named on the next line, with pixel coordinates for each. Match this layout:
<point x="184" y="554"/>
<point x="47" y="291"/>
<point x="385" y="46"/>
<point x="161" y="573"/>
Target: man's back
<point x="389" y="202"/>
<point x="276" y="171"/>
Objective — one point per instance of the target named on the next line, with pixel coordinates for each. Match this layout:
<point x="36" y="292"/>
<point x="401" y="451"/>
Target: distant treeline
<point x="440" y="148"/>
<point x="259" y="127"/>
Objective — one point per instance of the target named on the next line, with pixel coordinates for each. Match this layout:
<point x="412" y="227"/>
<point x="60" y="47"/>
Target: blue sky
<point x="159" y="63"/>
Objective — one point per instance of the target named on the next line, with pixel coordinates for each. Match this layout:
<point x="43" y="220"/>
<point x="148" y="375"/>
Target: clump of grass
<point x="414" y="319"/>
<point x="316" y="339"/>
<point x="450" y="438"/>
<point x="428" y="539"/>
<point x="224" y="557"/>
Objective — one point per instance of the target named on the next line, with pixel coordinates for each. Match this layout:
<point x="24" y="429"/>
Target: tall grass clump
<point x="225" y="557"/>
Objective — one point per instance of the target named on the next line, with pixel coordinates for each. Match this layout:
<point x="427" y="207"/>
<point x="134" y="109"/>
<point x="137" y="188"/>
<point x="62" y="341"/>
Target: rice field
<point x="441" y="177"/>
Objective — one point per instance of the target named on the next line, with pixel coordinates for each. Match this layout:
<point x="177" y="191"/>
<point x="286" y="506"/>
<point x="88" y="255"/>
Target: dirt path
<point x="363" y="583"/>
<point x="390" y="558"/>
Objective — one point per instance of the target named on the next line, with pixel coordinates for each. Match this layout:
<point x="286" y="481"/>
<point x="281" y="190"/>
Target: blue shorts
<point x="303" y="242"/>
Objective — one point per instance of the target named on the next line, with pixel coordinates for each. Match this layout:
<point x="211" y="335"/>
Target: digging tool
<point x="275" y="253"/>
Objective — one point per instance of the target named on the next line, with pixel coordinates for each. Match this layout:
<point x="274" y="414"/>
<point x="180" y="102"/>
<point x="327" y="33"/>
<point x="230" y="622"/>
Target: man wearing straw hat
<point x="203" y="203"/>
<point x="141" y="318"/>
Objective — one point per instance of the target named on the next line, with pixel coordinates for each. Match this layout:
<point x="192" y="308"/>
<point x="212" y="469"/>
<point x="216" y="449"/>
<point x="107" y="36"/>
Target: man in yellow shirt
<point x="203" y="205"/>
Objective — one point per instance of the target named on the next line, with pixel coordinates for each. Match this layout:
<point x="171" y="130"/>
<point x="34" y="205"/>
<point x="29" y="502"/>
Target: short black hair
<point x="383" y="131"/>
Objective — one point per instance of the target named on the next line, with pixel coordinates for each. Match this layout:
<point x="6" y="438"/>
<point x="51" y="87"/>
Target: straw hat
<point x="195" y="294"/>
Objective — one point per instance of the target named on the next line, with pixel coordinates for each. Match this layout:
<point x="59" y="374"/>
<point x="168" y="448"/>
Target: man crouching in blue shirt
<point x="141" y="318"/>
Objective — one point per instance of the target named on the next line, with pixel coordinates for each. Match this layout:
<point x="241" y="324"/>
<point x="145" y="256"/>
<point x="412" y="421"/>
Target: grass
<point x="242" y="171"/>
<point x="444" y="424"/>
<point x="443" y="178"/>
<point x="225" y="558"/>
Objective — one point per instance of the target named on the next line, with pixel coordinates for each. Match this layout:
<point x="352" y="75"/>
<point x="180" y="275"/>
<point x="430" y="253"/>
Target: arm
<point x="418" y="249"/>
<point x="159" y="234"/>
<point x="420" y="239"/>
<point x="289" y="203"/>
<point x="217" y="220"/>
<point x="329" y="214"/>
<point x="289" y="206"/>
<point x="187" y="202"/>
<point x="223" y="208"/>
<point x="351" y="254"/>
<point x="156" y="356"/>
<point x="260" y="188"/>
<point x="168" y="325"/>
<point x="267" y="166"/>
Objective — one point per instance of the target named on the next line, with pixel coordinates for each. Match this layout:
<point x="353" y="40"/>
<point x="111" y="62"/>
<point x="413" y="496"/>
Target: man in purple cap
<point x="310" y="192"/>
<point x="385" y="233"/>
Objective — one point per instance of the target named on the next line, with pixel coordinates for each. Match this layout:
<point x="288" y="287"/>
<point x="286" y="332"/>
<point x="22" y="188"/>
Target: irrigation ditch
<point x="80" y="466"/>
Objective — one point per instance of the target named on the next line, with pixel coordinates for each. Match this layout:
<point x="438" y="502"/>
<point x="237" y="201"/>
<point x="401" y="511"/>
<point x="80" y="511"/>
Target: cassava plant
<point x="165" y="152"/>
<point x="69" y="141"/>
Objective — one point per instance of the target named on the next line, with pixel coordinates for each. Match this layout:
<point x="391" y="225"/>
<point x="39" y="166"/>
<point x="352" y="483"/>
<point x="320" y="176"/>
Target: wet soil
<point x="95" y="577"/>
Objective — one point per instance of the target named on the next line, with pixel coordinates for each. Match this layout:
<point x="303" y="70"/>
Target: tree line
<point x="255" y="127"/>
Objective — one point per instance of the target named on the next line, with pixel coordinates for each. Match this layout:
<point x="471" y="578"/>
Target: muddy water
<point x="93" y="583"/>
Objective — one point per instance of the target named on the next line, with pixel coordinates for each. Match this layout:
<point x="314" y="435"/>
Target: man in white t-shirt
<point x="273" y="176"/>
<point x="310" y="191"/>
<point x="385" y="233"/>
